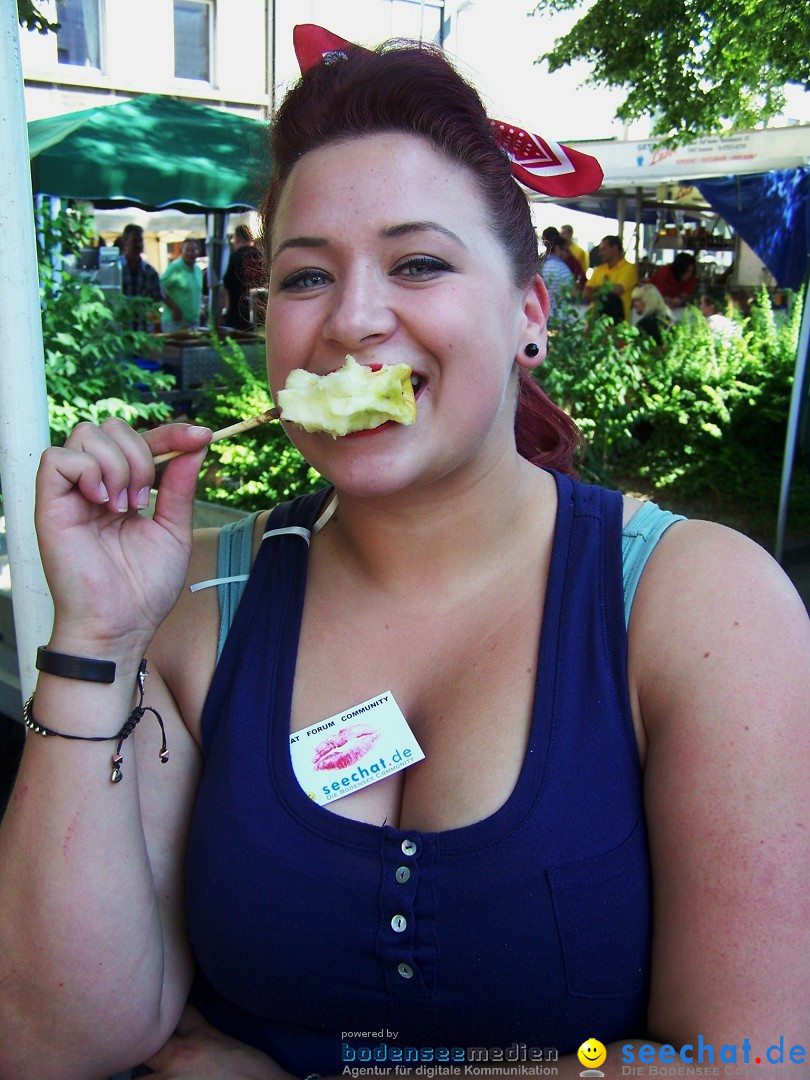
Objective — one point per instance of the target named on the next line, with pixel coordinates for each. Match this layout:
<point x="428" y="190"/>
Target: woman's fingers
<point x="113" y="466"/>
<point x="117" y="461"/>
<point x="178" y="484"/>
<point x="183" y="437"/>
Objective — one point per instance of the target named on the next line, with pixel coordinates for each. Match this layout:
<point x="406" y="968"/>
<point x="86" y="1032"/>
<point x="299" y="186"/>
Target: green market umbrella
<point x="153" y="152"/>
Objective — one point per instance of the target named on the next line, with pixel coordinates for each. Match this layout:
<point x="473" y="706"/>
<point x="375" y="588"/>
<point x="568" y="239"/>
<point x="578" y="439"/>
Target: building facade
<point x="231" y="54"/>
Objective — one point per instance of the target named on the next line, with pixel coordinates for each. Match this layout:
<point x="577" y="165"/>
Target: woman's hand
<point x="199" y="1051"/>
<point x="115" y="574"/>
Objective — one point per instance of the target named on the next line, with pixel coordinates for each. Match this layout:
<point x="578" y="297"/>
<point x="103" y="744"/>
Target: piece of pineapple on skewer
<point x="354" y="398"/>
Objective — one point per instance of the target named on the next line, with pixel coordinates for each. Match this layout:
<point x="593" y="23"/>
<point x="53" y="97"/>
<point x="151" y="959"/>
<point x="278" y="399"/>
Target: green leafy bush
<point x="261" y="467"/>
<point x="700" y="413"/>
<point x="90" y="339"/>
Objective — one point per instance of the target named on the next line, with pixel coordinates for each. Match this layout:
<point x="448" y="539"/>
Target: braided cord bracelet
<point x="130" y="724"/>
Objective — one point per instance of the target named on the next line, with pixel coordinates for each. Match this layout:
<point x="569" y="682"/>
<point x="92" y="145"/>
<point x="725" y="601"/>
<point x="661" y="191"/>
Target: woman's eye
<point x="302" y="280"/>
<point x="421" y="267"/>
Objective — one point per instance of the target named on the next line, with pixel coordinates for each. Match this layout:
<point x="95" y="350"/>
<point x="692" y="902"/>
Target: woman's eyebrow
<point x="407" y="227"/>
<point x="301" y="242"/>
<point x="390" y="232"/>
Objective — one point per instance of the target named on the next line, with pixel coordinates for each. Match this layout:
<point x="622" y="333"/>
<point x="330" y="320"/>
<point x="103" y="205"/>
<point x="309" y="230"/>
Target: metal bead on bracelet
<point x="130" y="724"/>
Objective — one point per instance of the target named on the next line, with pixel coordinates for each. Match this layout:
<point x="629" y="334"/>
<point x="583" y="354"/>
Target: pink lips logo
<point x="347" y="746"/>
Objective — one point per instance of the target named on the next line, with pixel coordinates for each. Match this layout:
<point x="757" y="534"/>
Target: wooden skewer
<point x="225" y="433"/>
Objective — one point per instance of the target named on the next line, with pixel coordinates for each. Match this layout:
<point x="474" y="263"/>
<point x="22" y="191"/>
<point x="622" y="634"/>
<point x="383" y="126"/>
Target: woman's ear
<point x="535" y="310"/>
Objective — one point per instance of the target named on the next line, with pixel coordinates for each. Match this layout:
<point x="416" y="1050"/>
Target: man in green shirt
<point x="182" y="282"/>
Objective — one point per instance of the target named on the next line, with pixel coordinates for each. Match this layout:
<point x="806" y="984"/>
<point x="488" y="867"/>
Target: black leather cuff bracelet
<point x="75" y="667"/>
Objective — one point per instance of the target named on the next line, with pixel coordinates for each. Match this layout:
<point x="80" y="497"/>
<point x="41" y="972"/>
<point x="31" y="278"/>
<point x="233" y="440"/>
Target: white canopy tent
<point x="630" y="165"/>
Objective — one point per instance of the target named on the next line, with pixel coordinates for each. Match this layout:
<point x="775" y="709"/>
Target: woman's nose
<point x="361" y="312"/>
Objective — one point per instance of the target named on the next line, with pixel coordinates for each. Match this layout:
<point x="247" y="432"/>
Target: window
<point x="415" y="19"/>
<point x="193" y="27"/>
<point x="78" y="39"/>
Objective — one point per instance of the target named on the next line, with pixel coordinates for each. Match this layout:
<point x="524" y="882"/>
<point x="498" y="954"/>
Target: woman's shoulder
<point x="716" y="621"/>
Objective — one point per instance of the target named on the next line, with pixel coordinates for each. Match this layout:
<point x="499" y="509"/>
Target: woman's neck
<point x="442" y="536"/>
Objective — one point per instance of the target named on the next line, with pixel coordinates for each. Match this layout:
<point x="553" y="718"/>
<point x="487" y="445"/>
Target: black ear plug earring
<point x="532" y="349"/>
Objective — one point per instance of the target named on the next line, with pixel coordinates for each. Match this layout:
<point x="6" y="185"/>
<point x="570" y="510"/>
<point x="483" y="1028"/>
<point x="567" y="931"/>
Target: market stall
<point x="710" y="194"/>
<point x="757" y="183"/>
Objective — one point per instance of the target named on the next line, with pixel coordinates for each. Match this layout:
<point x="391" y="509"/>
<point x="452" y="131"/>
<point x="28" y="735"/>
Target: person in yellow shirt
<point x="567" y="233"/>
<point x="614" y="270"/>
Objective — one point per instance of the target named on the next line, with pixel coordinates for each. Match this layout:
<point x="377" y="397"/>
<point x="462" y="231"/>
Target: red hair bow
<point x="549" y="168"/>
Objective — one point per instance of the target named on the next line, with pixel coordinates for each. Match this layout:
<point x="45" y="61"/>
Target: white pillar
<point x="23" y="399"/>
<point x="800" y="384"/>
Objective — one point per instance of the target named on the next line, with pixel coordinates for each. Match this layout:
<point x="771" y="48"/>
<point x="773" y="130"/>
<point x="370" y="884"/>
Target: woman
<point x="556" y="245"/>
<point x="497" y="892"/>
<point x="654" y="317"/>
<point x="557" y="276"/>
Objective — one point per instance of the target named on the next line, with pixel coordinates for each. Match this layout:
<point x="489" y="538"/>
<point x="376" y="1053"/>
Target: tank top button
<point x="402" y="874"/>
<point x="408" y="847"/>
<point x="399" y="923"/>
<point x="405" y="970"/>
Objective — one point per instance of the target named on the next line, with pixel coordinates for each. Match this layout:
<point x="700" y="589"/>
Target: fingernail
<point x="143" y="498"/>
<point x="103" y="494"/>
<point x="200" y="432"/>
<point x="122" y="503"/>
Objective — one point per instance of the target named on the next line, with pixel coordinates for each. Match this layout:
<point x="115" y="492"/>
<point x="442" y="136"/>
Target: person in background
<point x="580" y="254"/>
<point x="615" y="271"/>
<point x="556" y="273"/>
<point x="713" y="304"/>
<point x="243" y="273"/>
<point x="607" y="834"/>
<point x="182" y="282"/>
<point x="138" y="278"/>
<point x="554" y="243"/>
<point x="677" y="281"/>
<point x="654" y="317"/>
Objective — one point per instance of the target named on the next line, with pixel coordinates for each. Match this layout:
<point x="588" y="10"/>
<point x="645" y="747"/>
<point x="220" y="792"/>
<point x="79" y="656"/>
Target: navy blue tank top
<point x="531" y="926"/>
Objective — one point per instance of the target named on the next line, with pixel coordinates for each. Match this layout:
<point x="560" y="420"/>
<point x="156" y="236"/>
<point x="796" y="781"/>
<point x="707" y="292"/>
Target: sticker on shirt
<point x="352" y="749"/>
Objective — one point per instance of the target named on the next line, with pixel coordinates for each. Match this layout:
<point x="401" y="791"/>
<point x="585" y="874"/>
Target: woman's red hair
<point x="411" y="87"/>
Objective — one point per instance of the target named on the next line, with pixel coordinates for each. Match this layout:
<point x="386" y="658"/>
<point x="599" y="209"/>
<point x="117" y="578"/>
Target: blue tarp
<point x="771" y="212"/>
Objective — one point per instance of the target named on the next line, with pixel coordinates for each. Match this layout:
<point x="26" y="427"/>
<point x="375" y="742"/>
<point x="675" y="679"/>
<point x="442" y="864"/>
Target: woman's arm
<point x="94" y="968"/>
<point x="720" y="656"/>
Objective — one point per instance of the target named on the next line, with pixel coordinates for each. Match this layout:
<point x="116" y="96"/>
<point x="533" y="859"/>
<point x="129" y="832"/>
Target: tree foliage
<point x="699" y="414"/>
<point x="32" y="18"/>
<point x="90" y="338"/>
<point x="694" y="66"/>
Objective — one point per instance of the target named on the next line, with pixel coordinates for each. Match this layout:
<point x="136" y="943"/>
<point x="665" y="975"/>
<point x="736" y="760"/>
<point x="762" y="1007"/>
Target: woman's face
<point x="381" y="249"/>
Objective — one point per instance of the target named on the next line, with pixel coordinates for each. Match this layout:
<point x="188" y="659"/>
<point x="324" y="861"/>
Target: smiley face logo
<point x="592" y="1054"/>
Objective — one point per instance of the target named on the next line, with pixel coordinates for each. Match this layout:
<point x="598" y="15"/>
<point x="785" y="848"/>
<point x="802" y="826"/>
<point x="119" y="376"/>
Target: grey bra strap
<point x="234" y="557"/>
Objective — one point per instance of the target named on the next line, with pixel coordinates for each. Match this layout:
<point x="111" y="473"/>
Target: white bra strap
<point x="216" y="581"/>
<point x="326" y="513"/>
<point x="292" y="530"/>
